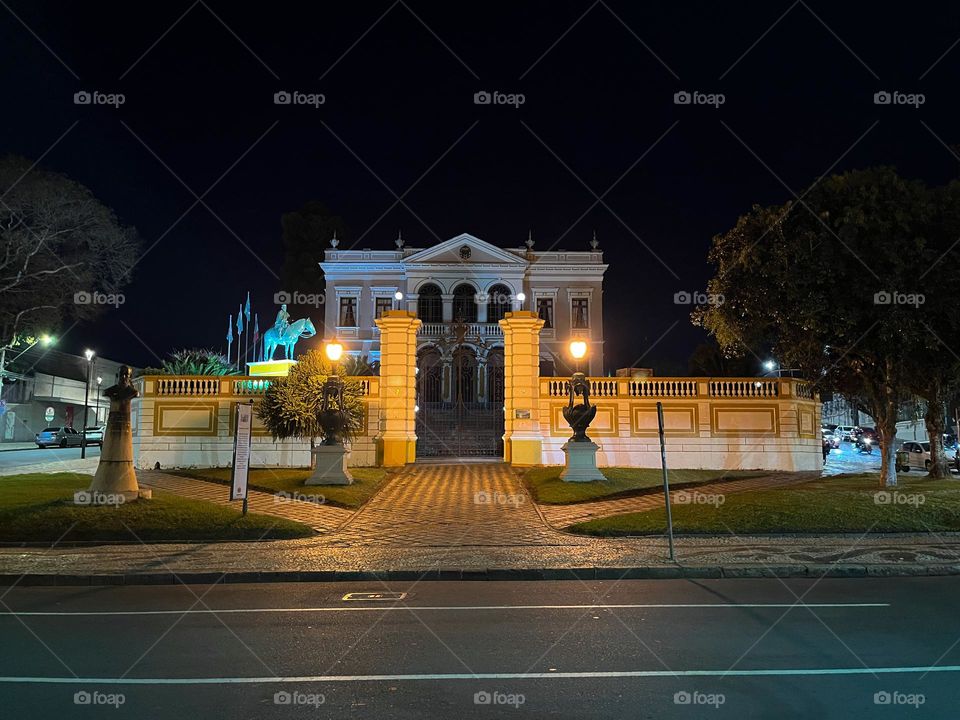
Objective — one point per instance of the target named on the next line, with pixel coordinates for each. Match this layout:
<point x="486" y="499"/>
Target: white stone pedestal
<point x="581" y="462"/>
<point x="331" y="466"/>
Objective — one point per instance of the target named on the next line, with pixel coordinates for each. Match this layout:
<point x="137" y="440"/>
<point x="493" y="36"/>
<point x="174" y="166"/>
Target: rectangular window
<point x="545" y="311"/>
<point x="580" y="308"/>
<point x="348" y="312"/>
<point x="383" y="304"/>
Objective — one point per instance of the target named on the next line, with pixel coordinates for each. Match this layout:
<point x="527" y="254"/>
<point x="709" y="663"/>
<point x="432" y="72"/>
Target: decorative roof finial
<point x="333" y="241"/>
<point x="399" y="240"/>
<point x="594" y="243"/>
<point x="530" y="240"/>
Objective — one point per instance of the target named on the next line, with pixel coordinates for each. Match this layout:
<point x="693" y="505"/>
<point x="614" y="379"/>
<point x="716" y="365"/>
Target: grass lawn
<point x="545" y="485"/>
<point x="836" y="504"/>
<point x="366" y="481"/>
<point x="38" y="508"/>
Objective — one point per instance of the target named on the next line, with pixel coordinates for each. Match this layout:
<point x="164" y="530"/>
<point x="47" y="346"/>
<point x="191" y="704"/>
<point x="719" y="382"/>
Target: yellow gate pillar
<point x="397" y="440"/>
<point x="521" y="388"/>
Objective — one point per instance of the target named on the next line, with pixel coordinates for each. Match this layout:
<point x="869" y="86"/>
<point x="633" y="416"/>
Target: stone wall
<point x="710" y="423"/>
<point x="183" y="422"/>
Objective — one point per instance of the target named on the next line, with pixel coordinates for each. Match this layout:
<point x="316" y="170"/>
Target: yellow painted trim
<point x="556" y="416"/>
<point x="160" y="406"/>
<point x="668" y="407"/>
<point x="750" y="407"/>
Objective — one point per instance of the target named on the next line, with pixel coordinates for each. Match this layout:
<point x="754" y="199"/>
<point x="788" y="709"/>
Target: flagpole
<point x="229" y="336"/>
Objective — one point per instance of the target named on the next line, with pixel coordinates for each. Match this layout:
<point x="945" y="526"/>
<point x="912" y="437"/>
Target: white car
<point x="918" y="454"/>
<point x="847" y="433"/>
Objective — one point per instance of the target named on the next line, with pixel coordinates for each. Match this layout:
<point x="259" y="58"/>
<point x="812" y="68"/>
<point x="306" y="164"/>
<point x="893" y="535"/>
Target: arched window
<point x="498" y="302"/>
<point x="429" y="304"/>
<point x="465" y="303"/>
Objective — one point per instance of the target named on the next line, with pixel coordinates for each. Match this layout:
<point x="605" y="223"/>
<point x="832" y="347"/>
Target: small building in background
<point x="43" y="387"/>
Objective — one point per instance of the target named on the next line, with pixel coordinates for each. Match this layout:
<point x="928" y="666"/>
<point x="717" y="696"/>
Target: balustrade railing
<point x="473" y="329"/>
<point x="680" y="387"/>
<point x="226" y="385"/>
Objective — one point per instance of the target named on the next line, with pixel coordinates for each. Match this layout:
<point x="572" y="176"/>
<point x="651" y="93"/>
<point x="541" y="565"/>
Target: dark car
<point x="869" y="433"/>
<point x="60" y="436"/>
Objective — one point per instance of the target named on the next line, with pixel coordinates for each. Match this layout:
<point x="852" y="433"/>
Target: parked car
<point x="831" y="439"/>
<point x="95" y="435"/>
<point x="917" y="455"/>
<point x="61" y="436"/>
<point x="847" y="433"/>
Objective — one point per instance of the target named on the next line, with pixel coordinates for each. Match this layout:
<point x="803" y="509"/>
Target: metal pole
<point x="86" y="403"/>
<point x="666" y="480"/>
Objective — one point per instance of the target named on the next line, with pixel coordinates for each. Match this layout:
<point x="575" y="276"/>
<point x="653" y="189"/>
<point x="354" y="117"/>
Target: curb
<point x="621" y="573"/>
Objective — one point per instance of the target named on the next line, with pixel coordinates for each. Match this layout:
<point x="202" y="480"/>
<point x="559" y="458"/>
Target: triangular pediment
<point x="465" y="249"/>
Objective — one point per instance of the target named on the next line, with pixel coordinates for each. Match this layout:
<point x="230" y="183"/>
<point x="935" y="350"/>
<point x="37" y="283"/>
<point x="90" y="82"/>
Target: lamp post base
<point x="331" y="466"/>
<point x="581" y="463"/>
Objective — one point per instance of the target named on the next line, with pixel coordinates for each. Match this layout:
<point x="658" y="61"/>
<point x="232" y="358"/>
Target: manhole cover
<point x="375" y="596"/>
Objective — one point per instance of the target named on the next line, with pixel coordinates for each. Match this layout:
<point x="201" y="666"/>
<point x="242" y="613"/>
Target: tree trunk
<point x="887" y="427"/>
<point x="936" y="423"/>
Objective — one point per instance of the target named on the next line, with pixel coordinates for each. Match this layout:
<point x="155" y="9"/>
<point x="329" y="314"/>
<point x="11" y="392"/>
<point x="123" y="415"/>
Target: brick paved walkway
<point x="451" y="505"/>
<point x="322" y="518"/>
<point x="562" y="516"/>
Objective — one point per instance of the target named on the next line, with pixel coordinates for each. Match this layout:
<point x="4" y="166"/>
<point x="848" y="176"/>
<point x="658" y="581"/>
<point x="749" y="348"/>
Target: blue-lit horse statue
<point x="272" y="338"/>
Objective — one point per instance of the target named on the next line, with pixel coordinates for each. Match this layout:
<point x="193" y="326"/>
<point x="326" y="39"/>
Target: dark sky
<point x="399" y="79"/>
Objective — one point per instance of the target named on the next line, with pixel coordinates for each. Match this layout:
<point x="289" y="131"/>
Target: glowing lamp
<point x="334" y="351"/>
<point x="578" y="348"/>
<point x="89" y="354"/>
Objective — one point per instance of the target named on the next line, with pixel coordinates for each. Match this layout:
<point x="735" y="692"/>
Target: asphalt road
<point x="19" y="458"/>
<point x="634" y="649"/>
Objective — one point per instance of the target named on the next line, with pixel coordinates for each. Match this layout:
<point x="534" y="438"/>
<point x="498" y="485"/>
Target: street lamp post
<point x="398" y="296"/>
<point x="96" y="413"/>
<point x="89" y="354"/>
<point x="330" y="466"/>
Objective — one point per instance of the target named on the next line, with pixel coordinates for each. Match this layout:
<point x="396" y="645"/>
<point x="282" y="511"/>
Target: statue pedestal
<point x="331" y="466"/>
<point x="270" y="368"/>
<point x="581" y="462"/>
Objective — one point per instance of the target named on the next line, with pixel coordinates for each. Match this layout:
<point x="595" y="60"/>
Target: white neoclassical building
<point x="472" y="282"/>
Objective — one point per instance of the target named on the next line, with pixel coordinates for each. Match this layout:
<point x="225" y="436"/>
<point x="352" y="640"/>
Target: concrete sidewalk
<point x="7" y="446"/>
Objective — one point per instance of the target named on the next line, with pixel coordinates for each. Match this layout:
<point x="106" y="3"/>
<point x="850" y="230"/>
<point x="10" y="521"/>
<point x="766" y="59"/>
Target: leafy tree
<point x="709" y="360"/>
<point x="360" y="365"/>
<point x="62" y="249"/>
<point x="306" y="233"/>
<point x="826" y="282"/>
<point x="197" y="361"/>
<point x="292" y="406"/>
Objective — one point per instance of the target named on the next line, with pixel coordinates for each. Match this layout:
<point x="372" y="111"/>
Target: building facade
<point x="460" y="289"/>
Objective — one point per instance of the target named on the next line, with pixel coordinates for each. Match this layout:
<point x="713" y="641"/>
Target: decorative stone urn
<point x="330" y="457"/>
<point x="580" y="451"/>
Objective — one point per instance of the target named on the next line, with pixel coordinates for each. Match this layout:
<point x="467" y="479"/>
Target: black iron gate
<point x="468" y="425"/>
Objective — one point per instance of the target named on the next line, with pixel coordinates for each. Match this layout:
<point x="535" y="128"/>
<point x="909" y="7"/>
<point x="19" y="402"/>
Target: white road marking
<point x="442" y="608"/>
<point x="482" y="676"/>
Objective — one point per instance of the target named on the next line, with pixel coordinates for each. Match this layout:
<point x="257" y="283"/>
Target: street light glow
<point x="521" y="296"/>
<point x="334" y="351"/>
<point x="769" y="365"/>
<point x="89" y="354"/>
<point x="578" y="348"/>
<point x="398" y="295"/>
<point x="46" y="339"/>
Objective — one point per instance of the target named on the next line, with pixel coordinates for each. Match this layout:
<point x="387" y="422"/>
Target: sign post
<point x="240" y="472"/>
<point x="666" y="480"/>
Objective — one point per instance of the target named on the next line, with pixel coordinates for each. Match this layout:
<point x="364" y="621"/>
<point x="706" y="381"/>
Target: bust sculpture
<point x="115" y="473"/>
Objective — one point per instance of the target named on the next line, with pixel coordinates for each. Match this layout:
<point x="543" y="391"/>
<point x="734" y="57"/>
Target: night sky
<point x="399" y="80"/>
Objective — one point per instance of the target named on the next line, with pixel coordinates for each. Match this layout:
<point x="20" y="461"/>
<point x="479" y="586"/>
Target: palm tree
<point x="197" y="361"/>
